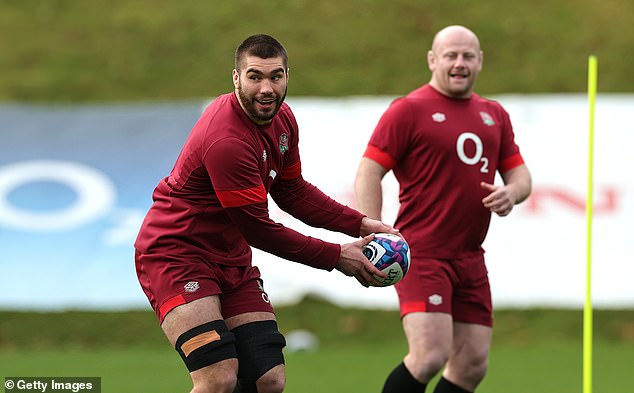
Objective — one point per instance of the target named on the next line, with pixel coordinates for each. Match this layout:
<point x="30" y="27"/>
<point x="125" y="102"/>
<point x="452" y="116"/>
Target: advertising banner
<point x="76" y="182"/>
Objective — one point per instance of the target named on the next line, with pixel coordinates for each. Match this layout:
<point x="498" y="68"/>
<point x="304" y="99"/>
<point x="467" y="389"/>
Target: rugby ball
<point x="390" y="254"/>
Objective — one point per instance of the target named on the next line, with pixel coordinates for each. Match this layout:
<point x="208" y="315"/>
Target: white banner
<point x="537" y="255"/>
<point x="75" y="183"/>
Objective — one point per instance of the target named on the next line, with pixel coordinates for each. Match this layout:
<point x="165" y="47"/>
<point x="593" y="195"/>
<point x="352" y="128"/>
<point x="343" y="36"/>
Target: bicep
<point x="367" y="187"/>
<point x="370" y="170"/>
<point x="518" y="174"/>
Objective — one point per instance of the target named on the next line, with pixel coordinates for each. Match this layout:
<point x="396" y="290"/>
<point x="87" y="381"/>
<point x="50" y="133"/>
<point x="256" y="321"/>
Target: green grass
<point x="554" y="367"/>
<point x="533" y="349"/>
<point x="112" y="50"/>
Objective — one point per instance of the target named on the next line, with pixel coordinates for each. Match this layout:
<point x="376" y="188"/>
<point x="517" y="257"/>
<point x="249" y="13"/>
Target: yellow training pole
<point x="587" y="310"/>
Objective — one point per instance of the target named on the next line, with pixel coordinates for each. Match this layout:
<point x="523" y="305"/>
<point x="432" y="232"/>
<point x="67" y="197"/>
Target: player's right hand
<point x="352" y="262"/>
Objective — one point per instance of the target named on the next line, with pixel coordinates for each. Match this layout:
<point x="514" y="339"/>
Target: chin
<point x="460" y="93"/>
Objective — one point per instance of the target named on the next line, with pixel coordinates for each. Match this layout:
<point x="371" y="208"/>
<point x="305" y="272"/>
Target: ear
<point x="431" y="61"/>
<point x="481" y="61"/>
<point x="236" y="78"/>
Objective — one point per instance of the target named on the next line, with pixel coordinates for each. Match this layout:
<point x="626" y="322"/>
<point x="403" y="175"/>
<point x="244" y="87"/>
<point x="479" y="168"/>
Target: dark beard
<point x="249" y="106"/>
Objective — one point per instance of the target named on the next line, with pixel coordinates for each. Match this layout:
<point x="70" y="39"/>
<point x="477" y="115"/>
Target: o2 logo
<point x="95" y="195"/>
<point x="477" y="156"/>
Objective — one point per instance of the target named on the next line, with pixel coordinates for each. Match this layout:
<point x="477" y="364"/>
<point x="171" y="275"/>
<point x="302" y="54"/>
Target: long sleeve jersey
<point x="214" y="204"/>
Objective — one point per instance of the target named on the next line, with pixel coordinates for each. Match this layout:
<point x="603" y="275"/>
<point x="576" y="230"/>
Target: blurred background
<point x="97" y="98"/>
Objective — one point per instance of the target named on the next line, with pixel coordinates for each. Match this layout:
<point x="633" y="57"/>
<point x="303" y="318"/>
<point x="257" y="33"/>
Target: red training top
<point x="213" y="205"/>
<point x="440" y="149"/>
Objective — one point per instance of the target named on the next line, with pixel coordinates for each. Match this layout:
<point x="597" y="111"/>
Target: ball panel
<point x="394" y="274"/>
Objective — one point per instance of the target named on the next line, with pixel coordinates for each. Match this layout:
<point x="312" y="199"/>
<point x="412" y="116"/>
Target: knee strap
<point x="206" y="344"/>
<point x="259" y="345"/>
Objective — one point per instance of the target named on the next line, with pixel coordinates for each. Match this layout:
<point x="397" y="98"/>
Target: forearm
<point x="307" y="203"/>
<point x="263" y="233"/>
<point x="519" y="181"/>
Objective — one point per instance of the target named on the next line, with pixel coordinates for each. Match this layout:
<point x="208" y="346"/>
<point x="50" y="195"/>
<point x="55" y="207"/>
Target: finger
<point x="505" y="211"/>
<point x="489" y="200"/>
<point x="375" y="282"/>
<point x="361" y="280"/>
<point x="488" y="186"/>
<point x="373" y="271"/>
<point x="392" y="230"/>
<point x="366" y="239"/>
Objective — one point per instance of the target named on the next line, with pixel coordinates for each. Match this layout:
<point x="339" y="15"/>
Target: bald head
<point x="455" y="33"/>
<point x="455" y="59"/>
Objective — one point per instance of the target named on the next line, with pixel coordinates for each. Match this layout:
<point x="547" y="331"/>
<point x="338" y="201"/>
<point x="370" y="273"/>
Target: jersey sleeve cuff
<point x="384" y="159"/>
<point x="324" y="255"/>
<point x="511" y="162"/>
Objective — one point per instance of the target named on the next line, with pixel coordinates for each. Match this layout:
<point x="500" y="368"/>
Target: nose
<point x="459" y="61"/>
<point x="266" y="86"/>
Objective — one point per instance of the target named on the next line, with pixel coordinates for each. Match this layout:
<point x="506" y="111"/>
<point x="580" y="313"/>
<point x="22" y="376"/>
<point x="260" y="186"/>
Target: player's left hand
<point x="369" y="226"/>
<point x="500" y="199"/>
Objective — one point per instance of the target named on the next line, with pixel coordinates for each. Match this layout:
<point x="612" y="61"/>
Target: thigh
<point x="468" y="361"/>
<point x="190" y="315"/>
<point x="472" y="341"/>
<point x="428" y="334"/>
<point x="200" y="336"/>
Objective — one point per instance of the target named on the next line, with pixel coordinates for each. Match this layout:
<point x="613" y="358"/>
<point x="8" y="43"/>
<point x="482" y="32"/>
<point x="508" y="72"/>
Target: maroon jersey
<point x="213" y="205"/>
<point x="440" y="149"/>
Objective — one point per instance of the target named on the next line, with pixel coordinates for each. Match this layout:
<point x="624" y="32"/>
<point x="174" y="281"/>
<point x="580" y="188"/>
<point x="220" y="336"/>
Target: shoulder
<point x="284" y="122"/>
<point x="424" y="95"/>
<point x="487" y="102"/>
<point x="219" y="104"/>
<point x="286" y="114"/>
<point x="408" y="108"/>
<point x="223" y="117"/>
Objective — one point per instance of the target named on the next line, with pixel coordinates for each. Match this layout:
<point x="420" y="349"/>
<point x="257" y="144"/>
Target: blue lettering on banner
<point x="95" y="195"/>
<point x="75" y="184"/>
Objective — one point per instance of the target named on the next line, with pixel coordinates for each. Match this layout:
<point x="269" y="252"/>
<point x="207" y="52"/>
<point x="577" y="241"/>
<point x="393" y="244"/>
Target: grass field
<point x="544" y="367"/>
<point x="113" y="50"/>
<point x="534" y="350"/>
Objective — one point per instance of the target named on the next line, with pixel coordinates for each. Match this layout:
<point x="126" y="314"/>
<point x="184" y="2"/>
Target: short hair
<point x="263" y="46"/>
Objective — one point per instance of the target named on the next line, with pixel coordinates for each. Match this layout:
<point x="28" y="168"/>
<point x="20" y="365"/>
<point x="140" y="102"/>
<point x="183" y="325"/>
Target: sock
<point x="444" y="386"/>
<point x="401" y="381"/>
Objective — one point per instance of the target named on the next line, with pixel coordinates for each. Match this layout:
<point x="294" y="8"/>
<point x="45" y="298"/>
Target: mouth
<point x="459" y="75"/>
<point x="266" y="102"/>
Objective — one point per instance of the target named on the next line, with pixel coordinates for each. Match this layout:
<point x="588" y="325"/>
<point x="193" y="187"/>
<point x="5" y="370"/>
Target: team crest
<point x="264" y="156"/>
<point x="283" y="143"/>
<point x="487" y="119"/>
